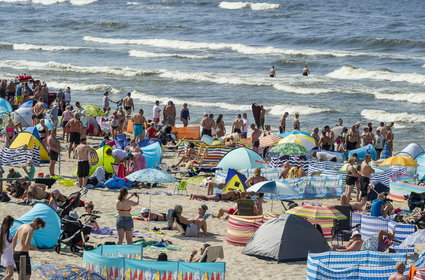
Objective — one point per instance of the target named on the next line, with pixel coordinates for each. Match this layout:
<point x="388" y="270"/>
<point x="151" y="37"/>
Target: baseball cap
<point x="355" y="233"/>
<point x="145" y="210"/>
<point x="204" y="206"/>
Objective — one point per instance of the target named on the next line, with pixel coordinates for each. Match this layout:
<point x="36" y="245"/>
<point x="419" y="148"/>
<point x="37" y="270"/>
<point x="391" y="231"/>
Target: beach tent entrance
<point x="235" y="181"/>
<point x="31" y="138"/>
<point x="104" y="160"/>
<point x="286" y="238"/>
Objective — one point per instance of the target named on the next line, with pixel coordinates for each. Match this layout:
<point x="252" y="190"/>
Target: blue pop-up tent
<point x="5" y="106"/>
<point x="361" y="152"/>
<point x="152" y="154"/>
<point x="46" y="237"/>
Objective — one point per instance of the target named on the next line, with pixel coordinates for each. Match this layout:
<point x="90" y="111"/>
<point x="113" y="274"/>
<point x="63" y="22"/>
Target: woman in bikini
<point x="256" y="178"/>
<point x="124" y="221"/>
<point x="121" y="117"/>
<point x="43" y="131"/>
<point x="115" y="124"/>
<point x="146" y="215"/>
<point x="10" y="132"/>
<point x="220" y="128"/>
<point x="367" y="137"/>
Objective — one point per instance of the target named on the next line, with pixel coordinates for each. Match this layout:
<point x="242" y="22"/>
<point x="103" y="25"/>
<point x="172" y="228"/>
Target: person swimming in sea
<point x="272" y="72"/>
<point x="306" y="72"/>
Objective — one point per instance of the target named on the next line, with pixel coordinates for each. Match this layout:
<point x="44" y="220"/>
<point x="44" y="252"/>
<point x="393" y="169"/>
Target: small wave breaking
<point x="253" y="6"/>
<point x="384" y="116"/>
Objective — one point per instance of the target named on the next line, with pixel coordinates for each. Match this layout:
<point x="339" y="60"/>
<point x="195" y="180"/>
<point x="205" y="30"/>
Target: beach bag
<point x="191" y="230"/>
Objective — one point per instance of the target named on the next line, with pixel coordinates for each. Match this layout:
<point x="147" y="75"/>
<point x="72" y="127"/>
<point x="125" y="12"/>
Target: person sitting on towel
<point x="198" y="220"/>
<point x="355" y="244"/>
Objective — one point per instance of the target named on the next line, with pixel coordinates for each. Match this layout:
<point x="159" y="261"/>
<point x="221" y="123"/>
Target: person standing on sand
<point x="296" y="121"/>
<point x="282" y="122"/>
<point x="124" y="223"/>
<point x="255" y="138"/>
<point x="185" y="115"/>
<point x="170" y="113"/>
<point x="245" y="125"/>
<point x="262" y="117"/>
<point x="128" y="104"/>
<point x="6" y="249"/>
<point x="206" y="124"/>
<point x="54" y="151"/>
<point x="38" y="112"/>
<point x="366" y="172"/>
<point x="352" y="139"/>
<point x="220" y="130"/>
<point x="106" y="100"/>
<point x="306" y="72"/>
<point x="237" y="125"/>
<point x="22" y="244"/>
<point x="272" y="72"/>
<point x="139" y="122"/>
<point x="75" y="128"/>
<point x="156" y="113"/>
<point x="83" y="162"/>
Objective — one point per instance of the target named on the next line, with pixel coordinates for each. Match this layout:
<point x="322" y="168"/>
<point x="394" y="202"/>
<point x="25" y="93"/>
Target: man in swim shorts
<point x="138" y="125"/>
<point x="83" y="151"/>
<point x="366" y="172"/>
<point x="237" y="125"/>
<point x="207" y="123"/>
<point x="231" y="195"/>
<point x="75" y="128"/>
<point x="128" y="103"/>
<point x="255" y="138"/>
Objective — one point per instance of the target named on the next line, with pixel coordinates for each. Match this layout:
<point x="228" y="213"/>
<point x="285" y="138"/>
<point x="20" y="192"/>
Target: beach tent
<point x="31" y="138"/>
<point x="286" y="238"/>
<point x="361" y="152"/>
<point x="152" y="154"/>
<point x="235" y="181"/>
<point x="23" y="115"/>
<point x="5" y="106"/>
<point x="28" y="104"/>
<point x="420" y="159"/>
<point x="104" y="160"/>
<point x="412" y="150"/>
<point x="241" y="158"/>
<point x="46" y="237"/>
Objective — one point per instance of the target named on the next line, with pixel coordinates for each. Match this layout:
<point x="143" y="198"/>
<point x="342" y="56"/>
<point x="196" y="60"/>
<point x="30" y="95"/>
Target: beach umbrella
<point x="93" y="111"/>
<point x="414" y="238"/>
<point x="285" y="134"/>
<point x="241" y="158"/>
<point x="317" y="212"/>
<point x="337" y="130"/>
<point x="400" y="160"/>
<point x="269" y="140"/>
<point x="290" y="149"/>
<point x="5" y="106"/>
<point x="274" y="187"/>
<point x="68" y="272"/>
<point x="150" y="175"/>
<point x="307" y="142"/>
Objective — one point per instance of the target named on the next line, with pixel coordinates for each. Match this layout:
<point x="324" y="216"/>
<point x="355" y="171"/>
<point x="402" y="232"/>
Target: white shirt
<point x="118" y="154"/>
<point x="245" y="125"/>
<point x="67" y="96"/>
<point x="156" y="112"/>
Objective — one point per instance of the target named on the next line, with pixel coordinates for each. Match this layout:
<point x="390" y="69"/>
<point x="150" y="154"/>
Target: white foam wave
<point x="274" y="109"/>
<point x="242" y="5"/>
<point x="351" y="73"/>
<point x="417" y="98"/>
<point x="61" y="67"/>
<point x="47" y="2"/>
<point x="144" y="54"/>
<point x="82" y="87"/>
<point x="26" y="47"/>
<point x="384" y="116"/>
<point x="301" y="90"/>
<point x="240" y="48"/>
<point x="133" y="3"/>
<point x="52" y="2"/>
<point x="82" y="2"/>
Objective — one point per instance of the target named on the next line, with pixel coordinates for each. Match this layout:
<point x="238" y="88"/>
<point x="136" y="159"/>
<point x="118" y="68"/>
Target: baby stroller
<point x="74" y="233"/>
<point x="72" y="201"/>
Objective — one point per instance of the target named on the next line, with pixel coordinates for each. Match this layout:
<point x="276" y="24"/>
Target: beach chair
<point x="245" y="207"/>
<point x="342" y="229"/>
<point x="212" y="253"/>
<point x="181" y="187"/>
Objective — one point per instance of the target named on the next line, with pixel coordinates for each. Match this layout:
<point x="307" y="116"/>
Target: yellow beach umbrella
<point x="300" y="139"/>
<point x="400" y="160"/>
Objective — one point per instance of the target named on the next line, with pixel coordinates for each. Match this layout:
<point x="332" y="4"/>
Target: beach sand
<point x="238" y="266"/>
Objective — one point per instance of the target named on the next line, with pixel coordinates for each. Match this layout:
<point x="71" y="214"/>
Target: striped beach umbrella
<point x="306" y="141"/>
<point x="269" y="140"/>
<point x="290" y="149"/>
<point x="317" y="212"/>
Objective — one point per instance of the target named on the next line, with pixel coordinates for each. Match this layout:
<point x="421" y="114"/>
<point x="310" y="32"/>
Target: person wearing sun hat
<point x="355" y="243"/>
<point x="147" y="215"/>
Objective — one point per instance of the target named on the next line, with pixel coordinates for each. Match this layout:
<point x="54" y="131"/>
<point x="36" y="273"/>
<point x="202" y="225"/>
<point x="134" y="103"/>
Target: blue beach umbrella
<point x="274" y="187"/>
<point x="5" y="106"/>
<point x="150" y="175"/>
<point x="241" y="158"/>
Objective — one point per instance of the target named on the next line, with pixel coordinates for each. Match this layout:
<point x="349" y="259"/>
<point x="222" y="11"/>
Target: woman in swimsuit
<point x="121" y="117"/>
<point x="6" y="247"/>
<point x="220" y="128"/>
<point x="146" y="215"/>
<point x="124" y="221"/>
<point x="367" y="137"/>
<point x="115" y="124"/>
<point x="43" y="131"/>
<point x="10" y="132"/>
<point x="256" y="178"/>
<point x="352" y="177"/>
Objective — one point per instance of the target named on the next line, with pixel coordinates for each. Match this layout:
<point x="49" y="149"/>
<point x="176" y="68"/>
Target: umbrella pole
<point x="272" y="206"/>
<point x="150" y="210"/>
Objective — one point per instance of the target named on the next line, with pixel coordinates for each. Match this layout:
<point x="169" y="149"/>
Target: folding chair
<point x="212" y="253"/>
<point x="180" y="187"/>
<point x="245" y="207"/>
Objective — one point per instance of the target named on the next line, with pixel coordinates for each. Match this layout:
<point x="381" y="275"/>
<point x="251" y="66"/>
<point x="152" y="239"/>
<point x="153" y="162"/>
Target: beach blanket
<point x="19" y="156"/>
<point x="111" y="232"/>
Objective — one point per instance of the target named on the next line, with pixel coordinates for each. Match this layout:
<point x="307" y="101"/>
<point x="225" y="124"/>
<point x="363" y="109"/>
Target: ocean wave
<point x="52" y="2"/>
<point x="239" y="48"/>
<point x="302" y="90"/>
<point x="144" y="54"/>
<point x="61" y="67"/>
<point x="352" y="73"/>
<point x="133" y="3"/>
<point x="242" y="5"/>
<point x="82" y="2"/>
<point x="26" y="47"/>
<point x="417" y="98"/>
<point x="276" y="110"/>
<point x="384" y="116"/>
<point x="82" y="87"/>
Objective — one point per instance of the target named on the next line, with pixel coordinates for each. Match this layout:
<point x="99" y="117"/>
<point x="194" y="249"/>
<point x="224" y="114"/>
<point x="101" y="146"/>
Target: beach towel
<point x="121" y="171"/>
<point x="99" y="173"/>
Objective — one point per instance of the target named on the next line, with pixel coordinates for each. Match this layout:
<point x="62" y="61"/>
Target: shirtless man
<point x="128" y="104"/>
<point x="389" y="138"/>
<point x="75" y="128"/>
<point x="352" y="139"/>
<point x="10" y="90"/>
<point x="83" y="162"/>
<point x="54" y="150"/>
<point x="284" y="173"/>
<point x="400" y="267"/>
<point x="296" y="121"/>
<point x="139" y="122"/>
<point x="237" y="125"/>
<point x="22" y="244"/>
<point x="38" y="112"/>
<point x="206" y="124"/>
<point x="231" y="195"/>
<point x="255" y="138"/>
<point x="272" y="72"/>
<point x="282" y="122"/>
<point x="366" y="172"/>
<point x="382" y="128"/>
<point x="170" y="113"/>
<point x="355" y="243"/>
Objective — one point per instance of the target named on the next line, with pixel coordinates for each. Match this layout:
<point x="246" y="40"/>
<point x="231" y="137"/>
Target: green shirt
<point x="31" y="173"/>
<point x="16" y="174"/>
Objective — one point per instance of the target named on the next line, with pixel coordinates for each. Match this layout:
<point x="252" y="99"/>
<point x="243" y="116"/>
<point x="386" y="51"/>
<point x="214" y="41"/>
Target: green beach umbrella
<point x="290" y="149"/>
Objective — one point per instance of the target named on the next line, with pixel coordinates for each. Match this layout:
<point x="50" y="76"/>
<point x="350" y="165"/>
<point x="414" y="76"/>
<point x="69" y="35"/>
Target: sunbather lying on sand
<point x="153" y="217"/>
<point x="228" y="195"/>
